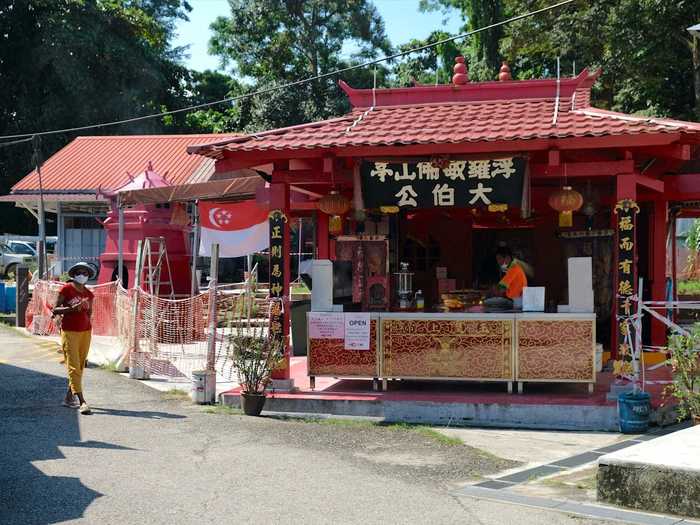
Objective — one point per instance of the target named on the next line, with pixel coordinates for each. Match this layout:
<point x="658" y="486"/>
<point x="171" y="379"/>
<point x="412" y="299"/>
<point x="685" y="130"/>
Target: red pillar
<point x="658" y="269"/>
<point x="279" y="200"/>
<point x="322" y="247"/>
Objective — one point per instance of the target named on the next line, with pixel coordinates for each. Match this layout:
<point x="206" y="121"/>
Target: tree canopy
<point x="67" y="63"/>
<point x="642" y="46"/>
<point x="268" y="42"/>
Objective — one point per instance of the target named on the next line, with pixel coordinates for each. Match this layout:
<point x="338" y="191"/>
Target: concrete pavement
<point x="142" y="458"/>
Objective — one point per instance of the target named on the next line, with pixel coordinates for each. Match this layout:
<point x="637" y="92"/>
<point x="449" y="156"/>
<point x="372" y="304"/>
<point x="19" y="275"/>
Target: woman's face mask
<point x="80" y="278"/>
<point x="504" y="267"/>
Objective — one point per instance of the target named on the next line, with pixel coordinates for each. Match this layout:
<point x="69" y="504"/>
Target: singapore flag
<point x="240" y="228"/>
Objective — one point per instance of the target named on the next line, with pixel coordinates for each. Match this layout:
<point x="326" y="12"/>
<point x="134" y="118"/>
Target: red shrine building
<point x="429" y="181"/>
<point x="166" y="226"/>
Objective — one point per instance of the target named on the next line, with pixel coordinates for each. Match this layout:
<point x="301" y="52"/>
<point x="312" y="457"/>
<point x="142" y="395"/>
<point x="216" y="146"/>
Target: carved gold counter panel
<point x="560" y="350"/>
<point x="419" y="347"/>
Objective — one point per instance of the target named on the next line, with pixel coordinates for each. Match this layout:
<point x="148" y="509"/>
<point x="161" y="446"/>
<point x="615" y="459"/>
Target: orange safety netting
<point x="165" y="337"/>
<point x="172" y="337"/>
<point x="39" y="319"/>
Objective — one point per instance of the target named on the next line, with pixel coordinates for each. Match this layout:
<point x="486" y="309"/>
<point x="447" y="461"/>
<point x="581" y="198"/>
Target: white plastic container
<point x="598" y="357"/>
<point x="203" y="386"/>
<point x="322" y="286"/>
<point x="533" y="299"/>
<point x="139" y="365"/>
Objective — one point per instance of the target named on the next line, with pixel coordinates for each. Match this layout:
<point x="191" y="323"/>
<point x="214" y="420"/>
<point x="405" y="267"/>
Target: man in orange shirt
<point x="514" y="280"/>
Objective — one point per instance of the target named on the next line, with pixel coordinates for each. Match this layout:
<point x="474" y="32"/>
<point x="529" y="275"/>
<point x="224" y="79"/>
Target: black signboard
<point x="453" y="183"/>
<point x="626" y="211"/>
<point x="277" y="232"/>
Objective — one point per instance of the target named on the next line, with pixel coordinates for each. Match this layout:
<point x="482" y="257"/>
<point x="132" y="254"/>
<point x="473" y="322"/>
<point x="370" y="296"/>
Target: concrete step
<point x="661" y="475"/>
<point x="420" y="411"/>
<point x="616" y="390"/>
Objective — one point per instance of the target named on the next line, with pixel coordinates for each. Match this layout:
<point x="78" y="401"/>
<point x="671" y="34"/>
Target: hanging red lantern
<point x="335" y="205"/>
<point x="566" y="201"/>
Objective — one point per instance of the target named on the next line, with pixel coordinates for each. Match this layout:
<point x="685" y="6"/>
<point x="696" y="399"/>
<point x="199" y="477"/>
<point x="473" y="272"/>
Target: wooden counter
<point x="508" y="347"/>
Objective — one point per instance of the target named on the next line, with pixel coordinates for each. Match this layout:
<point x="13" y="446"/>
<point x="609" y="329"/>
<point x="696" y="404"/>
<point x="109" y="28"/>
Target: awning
<point x="239" y="188"/>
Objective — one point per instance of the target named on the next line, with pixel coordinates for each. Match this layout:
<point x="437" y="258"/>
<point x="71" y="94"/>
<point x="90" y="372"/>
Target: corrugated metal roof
<point x="53" y="197"/>
<point x="93" y="162"/>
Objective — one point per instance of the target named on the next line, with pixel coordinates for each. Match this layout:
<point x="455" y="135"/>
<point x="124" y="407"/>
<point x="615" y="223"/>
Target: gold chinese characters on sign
<point x="277" y="221"/>
<point x="626" y="211"/>
<point x="454" y="183"/>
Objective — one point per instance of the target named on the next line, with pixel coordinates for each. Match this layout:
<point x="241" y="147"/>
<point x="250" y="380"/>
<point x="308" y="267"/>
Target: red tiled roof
<point x="89" y="163"/>
<point x="474" y="115"/>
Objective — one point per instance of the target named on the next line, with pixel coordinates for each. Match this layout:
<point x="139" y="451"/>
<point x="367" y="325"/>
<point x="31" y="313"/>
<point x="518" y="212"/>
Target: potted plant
<point x="685" y="364"/>
<point x="253" y="354"/>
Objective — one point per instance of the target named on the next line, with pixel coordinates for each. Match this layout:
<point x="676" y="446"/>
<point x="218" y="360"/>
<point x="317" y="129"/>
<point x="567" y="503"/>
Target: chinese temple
<point x="420" y="187"/>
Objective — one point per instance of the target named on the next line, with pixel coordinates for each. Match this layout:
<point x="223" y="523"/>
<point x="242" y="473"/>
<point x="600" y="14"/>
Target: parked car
<point x="9" y="259"/>
<point x="22" y="247"/>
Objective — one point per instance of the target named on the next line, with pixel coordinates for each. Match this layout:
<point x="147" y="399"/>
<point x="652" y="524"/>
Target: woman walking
<point x="75" y="305"/>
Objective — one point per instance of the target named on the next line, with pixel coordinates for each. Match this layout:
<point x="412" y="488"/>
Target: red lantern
<point x="335" y="205"/>
<point x="566" y="201"/>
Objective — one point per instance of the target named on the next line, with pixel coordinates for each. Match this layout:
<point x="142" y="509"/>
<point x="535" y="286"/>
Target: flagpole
<point x="195" y="249"/>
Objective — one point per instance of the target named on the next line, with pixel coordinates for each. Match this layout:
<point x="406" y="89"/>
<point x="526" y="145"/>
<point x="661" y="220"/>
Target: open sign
<point x="357" y="331"/>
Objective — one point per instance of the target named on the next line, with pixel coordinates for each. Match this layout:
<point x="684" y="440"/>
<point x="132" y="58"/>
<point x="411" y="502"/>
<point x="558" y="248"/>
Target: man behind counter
<point x="514" y="280"/>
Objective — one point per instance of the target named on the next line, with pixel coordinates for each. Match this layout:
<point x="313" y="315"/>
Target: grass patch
<point x="223" y="410"/>
<point x="424" y="431"/>
<point x="175" y="393"/>
<point x="691" y="287"/>
<point x="109" y="367"/>
<point x="335" y="422"/>
<point x="439" y="436"/>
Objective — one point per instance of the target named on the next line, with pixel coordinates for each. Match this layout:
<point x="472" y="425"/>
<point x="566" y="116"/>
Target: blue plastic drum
<point x="633" y="412"/>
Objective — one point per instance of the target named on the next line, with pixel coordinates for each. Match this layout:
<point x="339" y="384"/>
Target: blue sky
<point x="402" y="19"/>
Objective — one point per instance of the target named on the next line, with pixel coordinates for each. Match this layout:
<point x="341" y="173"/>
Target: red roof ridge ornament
<point x="504" y="74"/>
<point x="461" y="74"/>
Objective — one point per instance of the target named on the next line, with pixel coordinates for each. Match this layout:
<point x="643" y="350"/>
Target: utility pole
<point x="36" y="142"/>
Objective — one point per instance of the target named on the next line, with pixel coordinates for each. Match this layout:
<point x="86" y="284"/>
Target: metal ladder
<point x="154" y="248"/>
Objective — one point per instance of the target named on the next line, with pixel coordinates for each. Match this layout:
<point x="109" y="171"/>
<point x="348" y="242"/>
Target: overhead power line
<point x="12" y="143"/>
<point x="295" y="83"/>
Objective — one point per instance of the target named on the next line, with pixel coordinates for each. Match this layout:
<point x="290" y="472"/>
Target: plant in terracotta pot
<point x="254" y="355"/>
<point x="685" y="364"/>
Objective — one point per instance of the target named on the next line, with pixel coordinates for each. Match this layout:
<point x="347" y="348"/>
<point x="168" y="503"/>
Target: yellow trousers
<point x="76" y="346"/>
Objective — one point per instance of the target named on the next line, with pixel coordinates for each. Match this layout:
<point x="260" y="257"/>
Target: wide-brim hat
<point x="82" y="266"/>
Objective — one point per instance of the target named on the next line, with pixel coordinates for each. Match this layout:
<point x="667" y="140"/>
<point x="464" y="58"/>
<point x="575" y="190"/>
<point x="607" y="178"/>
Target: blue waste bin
<point x="633" y="411"/>
<point x="10" y="298"/>
<point x="3" y="308"/>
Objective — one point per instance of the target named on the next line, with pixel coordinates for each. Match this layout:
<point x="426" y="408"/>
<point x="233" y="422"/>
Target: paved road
<point x="141" y="458"/>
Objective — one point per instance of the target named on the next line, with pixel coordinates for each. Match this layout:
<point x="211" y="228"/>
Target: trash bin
<point x="633" y="411"/>
<point x="204" y="386"/>
<point x="3" y="306"/>
<point x="299" y="331"/>
<point x="10" y="299"/>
